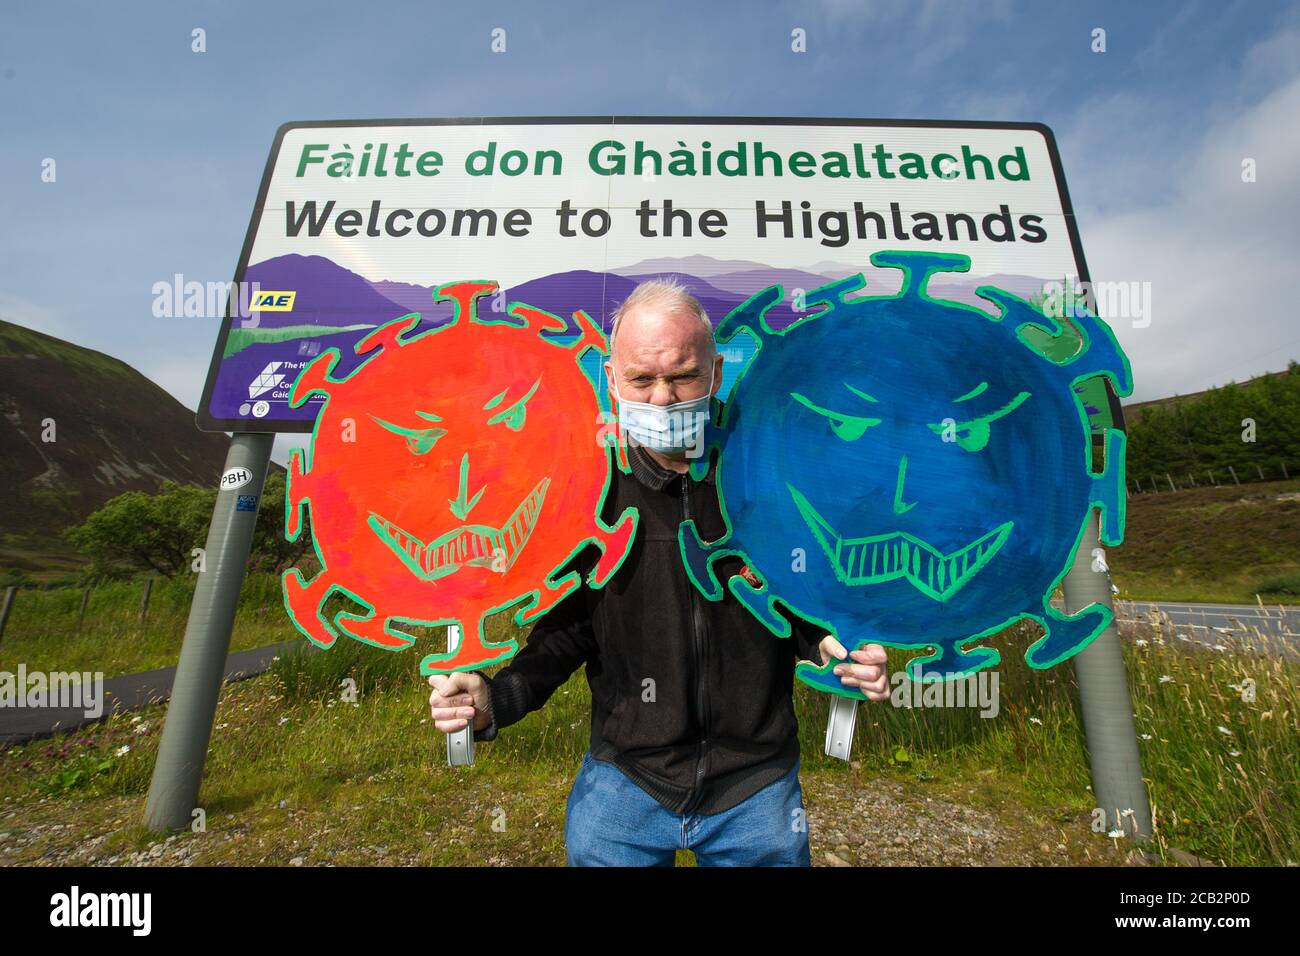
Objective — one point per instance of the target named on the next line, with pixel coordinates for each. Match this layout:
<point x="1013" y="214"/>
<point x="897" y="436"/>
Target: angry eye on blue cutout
<point x="973" y="434"/>
<point x="845" y="426"/>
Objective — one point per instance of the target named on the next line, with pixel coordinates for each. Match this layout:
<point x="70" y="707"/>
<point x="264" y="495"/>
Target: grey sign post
<point x="1104" y="695"/>
<point x="174" y="790"/>
<point x="1103" y="690"/>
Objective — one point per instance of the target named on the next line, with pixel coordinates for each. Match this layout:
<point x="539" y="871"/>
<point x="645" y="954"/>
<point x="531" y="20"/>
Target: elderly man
<point x="694" y="743"/>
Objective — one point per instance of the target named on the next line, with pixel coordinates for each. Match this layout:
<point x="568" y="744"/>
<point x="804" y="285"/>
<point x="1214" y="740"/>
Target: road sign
<point x="357" y="222"/>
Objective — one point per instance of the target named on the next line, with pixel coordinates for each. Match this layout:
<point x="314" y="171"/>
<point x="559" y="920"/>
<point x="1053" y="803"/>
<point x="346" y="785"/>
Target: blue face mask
<point x="667" y="428"/>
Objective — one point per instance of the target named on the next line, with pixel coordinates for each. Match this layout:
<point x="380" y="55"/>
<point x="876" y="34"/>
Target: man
<point x="694" y="743"/>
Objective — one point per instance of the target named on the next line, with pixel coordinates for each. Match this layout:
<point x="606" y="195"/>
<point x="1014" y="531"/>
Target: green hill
<point x="1223" y="544"/>
<point x="113" y="430"/>
<point x="1252" y="427"/>
<point x="117" y="431"/>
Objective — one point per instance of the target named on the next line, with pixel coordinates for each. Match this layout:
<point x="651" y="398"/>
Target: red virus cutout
<point x="451" y="476"/>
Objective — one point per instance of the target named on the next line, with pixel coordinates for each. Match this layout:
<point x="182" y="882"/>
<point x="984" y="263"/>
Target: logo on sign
<point x="269" y="378"/>
<point x="246" y="503"/>
<point x="273" y="302"/>
<point x="235" y="478"/>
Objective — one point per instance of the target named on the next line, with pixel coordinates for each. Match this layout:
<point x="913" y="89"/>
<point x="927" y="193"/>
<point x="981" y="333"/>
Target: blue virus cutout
<point x="912" y="472"/>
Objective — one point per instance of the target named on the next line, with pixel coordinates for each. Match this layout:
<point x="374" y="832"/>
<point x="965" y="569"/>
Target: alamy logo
<point x="978" y="690"/>
<point x="84" y="691"/>
<point x="103" y="909"/>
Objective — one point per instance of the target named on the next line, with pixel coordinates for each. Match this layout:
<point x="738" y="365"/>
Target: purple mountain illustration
<point x="337" y="301"/>
<point x="327" y="294"/>
<point x="703" y="266"/>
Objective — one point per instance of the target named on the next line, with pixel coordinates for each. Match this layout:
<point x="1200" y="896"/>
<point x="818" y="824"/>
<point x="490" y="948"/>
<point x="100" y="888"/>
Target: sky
<point x="159" y="150"/>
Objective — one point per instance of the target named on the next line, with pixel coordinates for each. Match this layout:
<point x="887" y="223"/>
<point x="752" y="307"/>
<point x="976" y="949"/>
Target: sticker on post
<point x="235" y="478"/>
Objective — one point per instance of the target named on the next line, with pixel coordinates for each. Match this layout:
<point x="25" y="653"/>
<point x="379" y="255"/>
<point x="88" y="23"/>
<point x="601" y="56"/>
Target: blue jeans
<point x="610" y="821"/>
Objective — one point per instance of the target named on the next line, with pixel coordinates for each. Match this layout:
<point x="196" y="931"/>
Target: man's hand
<point x="458" y="699"/>
<point x="866" y="671"/>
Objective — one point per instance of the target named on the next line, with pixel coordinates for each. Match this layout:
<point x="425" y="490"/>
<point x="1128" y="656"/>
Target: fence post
<point x="1260" y="470"/>
<point x="1210" y="472"/>
<point x="1171" y="482"/>
<point x="144" y="601"/>
<point x="85" y="599"/>
<point x="1285" y="476"/>
<point x="1192" y="479"/>
<point x="1232" y="471"/>
<point x="4" y="610"/>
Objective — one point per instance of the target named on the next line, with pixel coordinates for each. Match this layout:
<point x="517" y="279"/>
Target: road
<point x="1275" y="629"/>
<point x="1233" y="618"/>
<point x="129" y="692"/>
<point x="1231" y="625"/>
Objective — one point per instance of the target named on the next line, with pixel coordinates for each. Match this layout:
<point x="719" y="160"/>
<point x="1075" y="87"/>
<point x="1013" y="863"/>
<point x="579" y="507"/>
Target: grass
<point x="37" y="558"/>
<point x="43" y="631"/>
<point x="298" y="770"/>
<point x="1221" y="544"/>
<point x="240" y="338"/>
<point x="17" y="341"/>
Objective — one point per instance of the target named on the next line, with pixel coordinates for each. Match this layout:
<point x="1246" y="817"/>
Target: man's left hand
<point x="864" y="668"/>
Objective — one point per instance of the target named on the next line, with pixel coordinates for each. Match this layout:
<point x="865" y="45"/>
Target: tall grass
<point x="43" y="630"/>
<point x="1222" y="772"/>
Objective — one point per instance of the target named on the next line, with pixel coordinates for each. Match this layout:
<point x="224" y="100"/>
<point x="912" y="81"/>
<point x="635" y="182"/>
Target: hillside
<point x="1223" y="544"/>
<point x="114" y="431"/>
<point x="1135" y="410"/>
<point x="117" y="431"/>
<point x="1251" y="429"/>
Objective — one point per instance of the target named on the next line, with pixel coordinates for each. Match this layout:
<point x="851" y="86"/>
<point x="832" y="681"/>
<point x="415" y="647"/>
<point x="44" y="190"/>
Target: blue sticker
<point x="246" y="503"/>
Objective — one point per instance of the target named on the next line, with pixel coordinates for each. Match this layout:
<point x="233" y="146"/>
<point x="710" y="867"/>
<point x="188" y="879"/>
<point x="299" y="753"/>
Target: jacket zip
<point x="698" y="632"/>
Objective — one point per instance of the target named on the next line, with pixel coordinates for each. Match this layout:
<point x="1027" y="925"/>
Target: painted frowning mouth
<point x="888" y="557"/>
<point x="479" y="545"/>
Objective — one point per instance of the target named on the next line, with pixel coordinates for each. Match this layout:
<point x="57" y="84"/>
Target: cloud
<point x="1219" y="253"/>
<point x="925" y="13"/>
<point x="939" y="27"/>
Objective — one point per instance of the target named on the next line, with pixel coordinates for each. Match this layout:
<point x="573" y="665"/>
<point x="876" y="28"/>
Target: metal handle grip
<point x="460" y="743"/>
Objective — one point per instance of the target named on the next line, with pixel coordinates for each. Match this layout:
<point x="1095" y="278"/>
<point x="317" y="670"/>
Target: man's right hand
<point x="458" y="699"/>
<point x="866" y="670"/>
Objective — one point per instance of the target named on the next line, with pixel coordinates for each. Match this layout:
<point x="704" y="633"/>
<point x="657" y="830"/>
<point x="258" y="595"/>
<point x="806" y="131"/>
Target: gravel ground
<point x="880" y="822"/>
<point x="883" y="824"/>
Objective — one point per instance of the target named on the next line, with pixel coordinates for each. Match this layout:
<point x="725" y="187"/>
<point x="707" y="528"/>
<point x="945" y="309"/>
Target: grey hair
<point x="667" y="293"/>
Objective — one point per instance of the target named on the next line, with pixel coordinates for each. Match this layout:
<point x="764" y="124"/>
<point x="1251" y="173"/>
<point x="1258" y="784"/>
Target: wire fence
<point x="1165" y="482"/>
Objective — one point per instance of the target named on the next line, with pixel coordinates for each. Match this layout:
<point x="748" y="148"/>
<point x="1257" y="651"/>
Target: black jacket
<point x="691" y="698"/>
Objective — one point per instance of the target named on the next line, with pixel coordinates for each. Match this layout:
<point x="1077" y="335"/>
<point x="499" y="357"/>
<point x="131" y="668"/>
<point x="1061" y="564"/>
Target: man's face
<point x="663" y="357"/>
